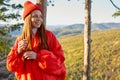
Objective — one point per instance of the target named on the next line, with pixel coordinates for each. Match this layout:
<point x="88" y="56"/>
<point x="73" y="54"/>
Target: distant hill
<point x="73" y="29"/>
<point x="104" y="26"/>
<point x="79" y="28"/>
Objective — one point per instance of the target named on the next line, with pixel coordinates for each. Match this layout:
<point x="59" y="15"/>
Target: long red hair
<point x="27" y="34"/>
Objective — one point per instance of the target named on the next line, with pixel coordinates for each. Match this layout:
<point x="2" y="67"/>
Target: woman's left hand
<point x="30" y="55"/>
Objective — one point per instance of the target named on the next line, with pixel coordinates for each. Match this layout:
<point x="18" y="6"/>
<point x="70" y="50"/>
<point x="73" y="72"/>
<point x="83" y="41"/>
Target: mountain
<point x="54" y="27"/>
<point x="104" y="26"/>
<point x="79" y="28"/>
<point x="73" y="29"/>
<point x="69" y="29"/>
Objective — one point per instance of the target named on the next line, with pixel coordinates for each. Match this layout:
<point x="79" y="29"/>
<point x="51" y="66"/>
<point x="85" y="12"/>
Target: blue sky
<point x="72" y="12"/>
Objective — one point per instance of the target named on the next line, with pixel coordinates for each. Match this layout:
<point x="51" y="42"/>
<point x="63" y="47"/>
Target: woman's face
<point x="36" y="19"/>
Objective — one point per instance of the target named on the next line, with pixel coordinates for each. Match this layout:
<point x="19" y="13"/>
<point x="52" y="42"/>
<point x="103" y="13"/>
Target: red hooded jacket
<point x="49" y="64"/>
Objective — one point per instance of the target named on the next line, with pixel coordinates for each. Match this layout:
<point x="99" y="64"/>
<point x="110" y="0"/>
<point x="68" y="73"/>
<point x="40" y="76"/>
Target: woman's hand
<point x="22" y="45"/>
<point x="30" y="55"/>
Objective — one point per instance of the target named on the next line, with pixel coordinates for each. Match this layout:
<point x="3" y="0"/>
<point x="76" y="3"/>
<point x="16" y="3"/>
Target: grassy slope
<point x="105" y="55"/>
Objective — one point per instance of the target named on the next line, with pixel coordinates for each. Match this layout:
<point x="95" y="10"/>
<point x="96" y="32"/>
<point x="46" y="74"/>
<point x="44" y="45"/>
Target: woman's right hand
<point x="22" y="45"/>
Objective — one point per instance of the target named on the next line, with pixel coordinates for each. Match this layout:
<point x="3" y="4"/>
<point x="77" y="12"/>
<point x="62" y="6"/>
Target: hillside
<point x="105" y="55"/>
<point x="73" y="29"/>
<point x="79" y="28"/>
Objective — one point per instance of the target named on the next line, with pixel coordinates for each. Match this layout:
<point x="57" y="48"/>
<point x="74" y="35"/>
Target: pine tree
<point x="8" y="12"/>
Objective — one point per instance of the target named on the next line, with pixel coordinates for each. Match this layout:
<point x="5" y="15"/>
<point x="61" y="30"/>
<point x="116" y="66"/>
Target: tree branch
<point x="114" y="5"/>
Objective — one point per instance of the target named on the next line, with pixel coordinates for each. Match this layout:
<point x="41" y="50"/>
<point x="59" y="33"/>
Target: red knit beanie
<point x="29" y="7"/>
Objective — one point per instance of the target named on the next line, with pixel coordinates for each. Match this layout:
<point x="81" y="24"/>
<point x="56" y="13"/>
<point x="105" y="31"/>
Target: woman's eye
<point x="36" y="16"/>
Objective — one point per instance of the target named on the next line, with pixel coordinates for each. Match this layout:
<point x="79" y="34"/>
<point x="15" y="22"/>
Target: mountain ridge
<point x="79" y="28"/>
<point x="73" y="29"/>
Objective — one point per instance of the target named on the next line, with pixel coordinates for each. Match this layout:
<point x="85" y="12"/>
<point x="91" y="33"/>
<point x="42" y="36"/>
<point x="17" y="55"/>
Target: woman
<point x="36" y="54"/>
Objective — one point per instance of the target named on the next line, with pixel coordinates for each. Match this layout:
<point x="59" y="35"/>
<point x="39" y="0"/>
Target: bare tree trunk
<point x="43" y="4"/>
<point x="87" y="40"/>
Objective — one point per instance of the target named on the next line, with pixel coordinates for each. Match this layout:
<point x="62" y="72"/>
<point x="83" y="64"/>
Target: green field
<point x="105" y="55"/>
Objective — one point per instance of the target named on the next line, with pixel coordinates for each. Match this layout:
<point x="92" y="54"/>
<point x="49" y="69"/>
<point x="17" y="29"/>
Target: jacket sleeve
<point x="14" y="62"/>
<point x="52" y="61"/>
